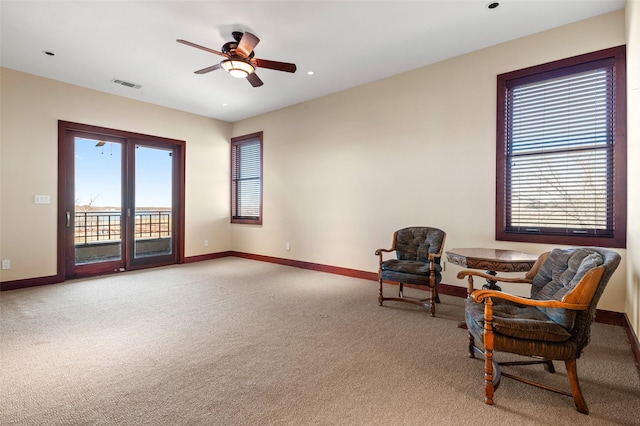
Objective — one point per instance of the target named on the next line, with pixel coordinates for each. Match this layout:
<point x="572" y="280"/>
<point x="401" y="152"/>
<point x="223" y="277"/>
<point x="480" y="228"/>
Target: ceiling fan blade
<point x="248" y="42"/>
<point x="275" y="65"/>
<point x="208" y="69"/>
<point x="197" y="46"/>
<point x="254" y="80"/>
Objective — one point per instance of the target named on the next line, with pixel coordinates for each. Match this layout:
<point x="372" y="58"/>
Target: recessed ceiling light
<point x="225" y="104"/>
<point x="48" y="52"/>
<point x="493" y="5"/>
<point x="310" y="73"/>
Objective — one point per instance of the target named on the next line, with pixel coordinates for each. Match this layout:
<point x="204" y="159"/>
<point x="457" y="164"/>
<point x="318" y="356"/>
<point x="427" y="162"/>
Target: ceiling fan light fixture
<point x="237" y="68"/>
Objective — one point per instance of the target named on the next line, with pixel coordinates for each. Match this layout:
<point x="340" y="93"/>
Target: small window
<point x="561" y="152"/>
<point x="246" y="179"/>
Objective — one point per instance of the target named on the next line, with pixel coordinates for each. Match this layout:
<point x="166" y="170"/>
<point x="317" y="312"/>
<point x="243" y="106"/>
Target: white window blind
<point x="560" y="134"/>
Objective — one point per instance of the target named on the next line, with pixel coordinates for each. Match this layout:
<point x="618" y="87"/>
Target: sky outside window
<point x="98" y="175"/>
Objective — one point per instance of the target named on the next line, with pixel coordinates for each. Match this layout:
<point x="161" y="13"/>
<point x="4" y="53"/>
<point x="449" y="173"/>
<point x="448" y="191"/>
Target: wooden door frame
<point x="179" y="182"/>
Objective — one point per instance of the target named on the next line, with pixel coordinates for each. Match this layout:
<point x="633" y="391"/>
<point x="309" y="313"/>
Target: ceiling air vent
<point x="126" y="83"/>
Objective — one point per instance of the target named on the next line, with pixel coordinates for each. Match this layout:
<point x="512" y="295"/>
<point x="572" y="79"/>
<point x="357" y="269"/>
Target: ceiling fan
<point x="239" y="58"/>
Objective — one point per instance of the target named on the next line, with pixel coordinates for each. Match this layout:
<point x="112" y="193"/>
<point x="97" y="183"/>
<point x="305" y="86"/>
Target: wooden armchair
<point x="554" y="324"/>
<point x="418" y="252"/>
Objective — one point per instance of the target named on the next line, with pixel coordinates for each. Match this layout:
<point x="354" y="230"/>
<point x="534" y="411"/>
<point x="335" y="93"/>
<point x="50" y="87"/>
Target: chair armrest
<point x="480" y="296"/>
<point x="380" y="252"/>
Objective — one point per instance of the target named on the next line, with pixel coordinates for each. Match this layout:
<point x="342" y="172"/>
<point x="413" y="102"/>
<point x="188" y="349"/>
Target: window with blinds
<point x="246" y="179"/>
<point x="560" y="162"/>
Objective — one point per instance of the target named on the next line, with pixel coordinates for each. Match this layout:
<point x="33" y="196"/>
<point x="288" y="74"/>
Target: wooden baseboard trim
<point x="30" y="282"/>
<point x="210" y="256"/>
<point x="610" y="318"/>
<point x="354" y="273"/>
<point x="452" y="290"/>
<point x="633" y="340"/>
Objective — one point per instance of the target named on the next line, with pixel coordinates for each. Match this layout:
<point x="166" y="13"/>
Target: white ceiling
<point x="346" y="43"/>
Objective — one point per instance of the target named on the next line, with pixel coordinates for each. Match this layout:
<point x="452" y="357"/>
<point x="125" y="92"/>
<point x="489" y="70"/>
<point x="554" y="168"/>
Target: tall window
<point x="246" y="179"/>
<point x="561" y="152"/>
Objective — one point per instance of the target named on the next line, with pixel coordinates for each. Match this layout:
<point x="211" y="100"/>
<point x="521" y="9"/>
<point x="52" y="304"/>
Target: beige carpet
<point x="240" y="342"/>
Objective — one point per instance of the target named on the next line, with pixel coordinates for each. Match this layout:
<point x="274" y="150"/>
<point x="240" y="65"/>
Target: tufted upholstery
<point x="559" y="274"/>
<point x="416" y="243"/>
<point x="550" y="333"/>
<point x="418" y="251"/>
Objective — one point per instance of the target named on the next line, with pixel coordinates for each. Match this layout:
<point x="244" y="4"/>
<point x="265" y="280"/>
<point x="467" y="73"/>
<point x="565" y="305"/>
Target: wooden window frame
<point x="66" y="132"/>
<point x="618" y="168"/>
<point x="235" y="199"/>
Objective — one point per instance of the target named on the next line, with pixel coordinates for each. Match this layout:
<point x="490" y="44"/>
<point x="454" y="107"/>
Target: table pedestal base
<point x="491" y="285"/>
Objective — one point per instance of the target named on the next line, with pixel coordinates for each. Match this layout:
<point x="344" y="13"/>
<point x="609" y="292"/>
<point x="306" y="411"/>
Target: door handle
<point x="68" y="219"/>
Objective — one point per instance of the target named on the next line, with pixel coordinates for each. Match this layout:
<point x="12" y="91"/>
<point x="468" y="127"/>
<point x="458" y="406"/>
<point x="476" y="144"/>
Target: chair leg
<point x="433" y="301"/>
<point x="400" y="290"/>
<point x="488" y="377"/>
<point x="488" y="351"/>
<point x="437" y="297"/>
<point x="472" y="344"/>
<point x="380" y="297"/>
<point x="572" y="372"/>
<point x="549" y="366"/>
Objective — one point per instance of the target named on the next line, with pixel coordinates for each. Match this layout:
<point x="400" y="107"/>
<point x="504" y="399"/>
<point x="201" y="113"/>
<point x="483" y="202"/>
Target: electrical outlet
<point x="206" y="243"/>
<point x="287" y="247"/>
<point x="6" y="264"/>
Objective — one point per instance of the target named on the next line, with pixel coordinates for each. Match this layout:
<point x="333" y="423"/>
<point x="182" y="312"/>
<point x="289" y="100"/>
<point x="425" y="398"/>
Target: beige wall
<point x="31" y="107"/>
<point x="341" y="173"/>
<point x="633" y="134"/>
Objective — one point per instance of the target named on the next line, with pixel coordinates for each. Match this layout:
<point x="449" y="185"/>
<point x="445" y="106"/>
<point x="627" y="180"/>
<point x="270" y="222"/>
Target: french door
<point x="120" y="202"/>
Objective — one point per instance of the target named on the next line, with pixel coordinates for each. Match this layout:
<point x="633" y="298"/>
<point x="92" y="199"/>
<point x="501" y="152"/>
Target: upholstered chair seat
<point x="513" y="320"/>
<point x="409" y="271"/>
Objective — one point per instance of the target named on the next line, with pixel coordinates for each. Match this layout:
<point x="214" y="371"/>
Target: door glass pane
<point x="97" y="211"/>
<point x="153" y="207"/>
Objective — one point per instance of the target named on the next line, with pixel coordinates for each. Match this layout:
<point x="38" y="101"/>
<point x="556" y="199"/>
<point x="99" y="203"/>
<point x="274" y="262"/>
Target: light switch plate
<point x="43" y="199"/>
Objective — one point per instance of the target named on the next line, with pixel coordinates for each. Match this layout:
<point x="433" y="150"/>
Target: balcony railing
<point x="103" y="226"/>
